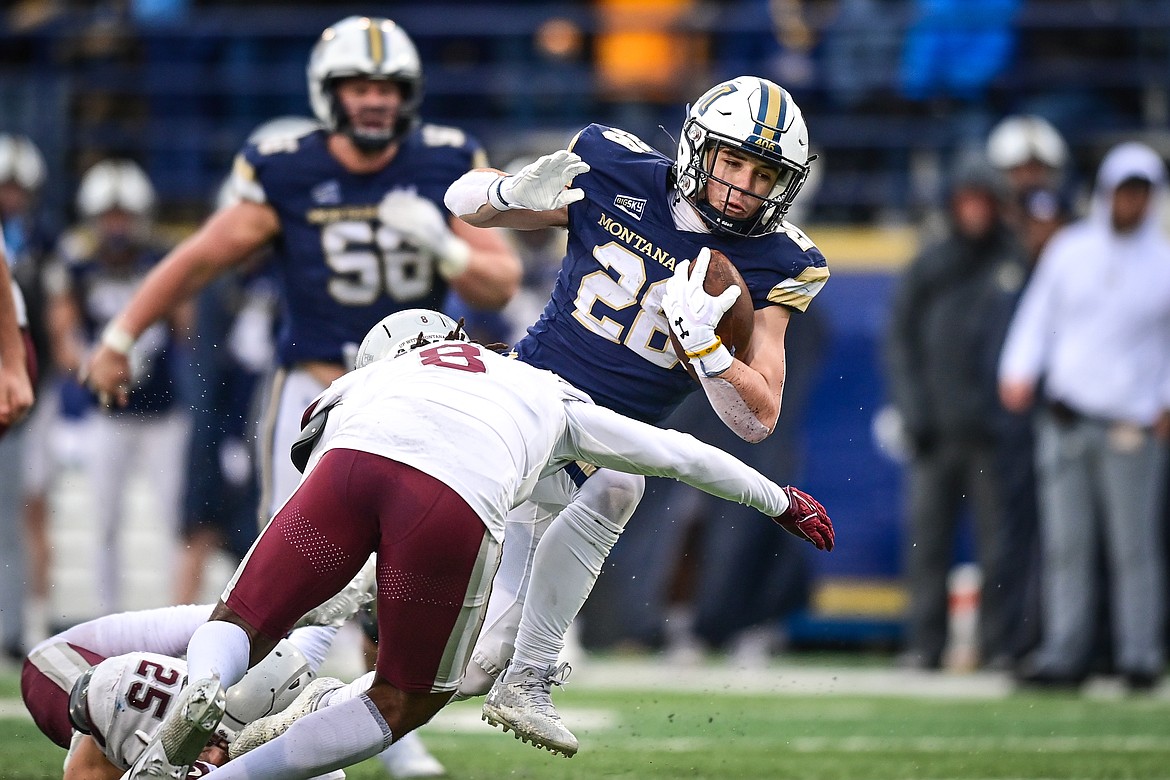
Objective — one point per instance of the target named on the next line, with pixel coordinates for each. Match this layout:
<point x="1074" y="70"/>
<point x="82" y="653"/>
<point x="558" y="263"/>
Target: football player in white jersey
<point x="418" y="456"/>
<point x="635" y="218"/>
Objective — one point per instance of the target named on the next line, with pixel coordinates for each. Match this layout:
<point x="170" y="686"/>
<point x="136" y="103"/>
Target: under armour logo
<point x="678" y="325"/>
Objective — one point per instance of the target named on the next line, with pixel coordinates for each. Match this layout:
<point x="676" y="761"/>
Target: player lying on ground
<point x="101" y="688"/>
<point x="418" y="458"/>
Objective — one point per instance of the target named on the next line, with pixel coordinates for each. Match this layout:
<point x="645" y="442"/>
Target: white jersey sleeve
<point x="604" y="438"/>
<point x="165" y="631"/>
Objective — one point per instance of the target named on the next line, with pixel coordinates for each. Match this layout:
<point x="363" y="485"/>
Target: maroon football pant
<point x="435" y="564"/>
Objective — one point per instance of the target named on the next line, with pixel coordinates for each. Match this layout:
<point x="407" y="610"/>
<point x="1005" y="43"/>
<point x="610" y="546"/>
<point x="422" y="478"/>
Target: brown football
<point x="735" y="329"/>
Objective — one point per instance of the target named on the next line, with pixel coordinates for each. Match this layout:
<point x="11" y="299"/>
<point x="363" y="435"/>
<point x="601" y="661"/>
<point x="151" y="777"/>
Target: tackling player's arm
<point x="537" y="196"/>
<point x="226" y="240"/>
<point x="605" y="438"/>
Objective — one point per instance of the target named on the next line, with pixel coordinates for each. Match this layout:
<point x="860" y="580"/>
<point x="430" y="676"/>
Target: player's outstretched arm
<point x="602" y="437"/>
<point x="536" y="196"/>
<point x="227" y="239"/>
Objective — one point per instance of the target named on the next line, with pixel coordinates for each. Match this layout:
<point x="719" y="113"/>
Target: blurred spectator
<point x="1041" y="213"/>
<point x="946" y="326"/>
<point x="102" y="261"/>
<point x="27" y="242"/>
<point x="1094" y="323"/>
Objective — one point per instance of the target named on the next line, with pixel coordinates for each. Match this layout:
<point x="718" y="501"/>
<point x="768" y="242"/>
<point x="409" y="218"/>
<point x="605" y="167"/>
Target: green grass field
<point x="802" y="723"/>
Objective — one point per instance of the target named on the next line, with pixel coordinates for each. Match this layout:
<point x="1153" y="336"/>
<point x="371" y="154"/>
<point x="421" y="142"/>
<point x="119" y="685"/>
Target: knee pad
<point x="610" y="498"/>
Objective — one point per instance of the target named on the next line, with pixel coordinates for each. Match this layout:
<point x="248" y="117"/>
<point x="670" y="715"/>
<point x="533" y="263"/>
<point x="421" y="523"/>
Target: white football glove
<point x="540" y="185"/>
<point x="693" y="315"/>
<point x="421" y="224"/>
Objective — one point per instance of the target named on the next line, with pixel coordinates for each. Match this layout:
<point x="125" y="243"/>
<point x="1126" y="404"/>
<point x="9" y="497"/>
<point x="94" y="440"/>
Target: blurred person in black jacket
<point x="946" y="328"/>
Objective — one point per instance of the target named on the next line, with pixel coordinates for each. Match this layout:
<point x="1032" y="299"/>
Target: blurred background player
<point x="1030" y="151"/>
<point x="429" y="495"/>
<point x="1034" y="159"/>
<point x="354" y="214"/>
<point x="101" y="262"/>
<point x="635" y="218"/>
<point x="26" y="242"/>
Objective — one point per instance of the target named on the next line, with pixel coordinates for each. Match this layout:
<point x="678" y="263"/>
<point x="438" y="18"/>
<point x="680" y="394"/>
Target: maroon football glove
<point x="806" y="518"/>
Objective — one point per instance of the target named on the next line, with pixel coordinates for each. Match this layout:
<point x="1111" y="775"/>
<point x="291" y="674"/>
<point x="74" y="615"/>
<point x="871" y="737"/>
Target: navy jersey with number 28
<point x="603" y="330"/>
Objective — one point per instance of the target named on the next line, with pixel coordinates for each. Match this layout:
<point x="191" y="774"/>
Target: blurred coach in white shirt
<point x="1093" y="328"/>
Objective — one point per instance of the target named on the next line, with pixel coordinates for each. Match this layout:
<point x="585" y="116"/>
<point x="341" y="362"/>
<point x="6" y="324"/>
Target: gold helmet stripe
<point x="773" y="107"/>
<point x="377" y="43"/>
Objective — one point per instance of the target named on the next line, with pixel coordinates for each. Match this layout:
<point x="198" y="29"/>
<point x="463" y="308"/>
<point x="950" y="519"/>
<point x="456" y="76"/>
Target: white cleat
<point x="521" y="701"/>
<point x="268" y="728"/>
<point x="183" y="734"/>
<point x="408" y="757"/>
<point x="361" y="590"/>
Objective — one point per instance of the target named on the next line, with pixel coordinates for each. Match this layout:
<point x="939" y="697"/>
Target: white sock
<point x="331" y="738"/>
<point x="564" y="571"/>
<point x="314" y="642"/>
<point x="218" y="647"/>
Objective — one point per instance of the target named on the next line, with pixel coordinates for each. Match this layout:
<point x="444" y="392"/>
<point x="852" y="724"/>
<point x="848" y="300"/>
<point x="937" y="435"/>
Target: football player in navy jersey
<point x="354" y="214"/>
<point x="635" y="219"/>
